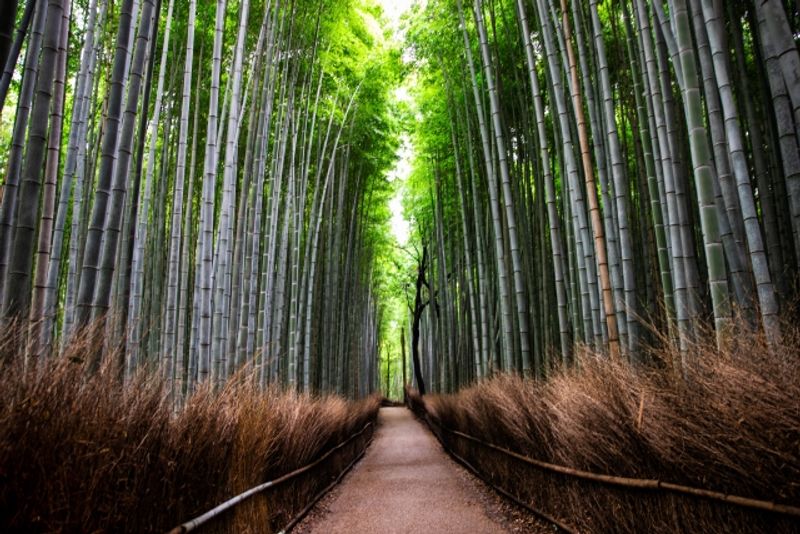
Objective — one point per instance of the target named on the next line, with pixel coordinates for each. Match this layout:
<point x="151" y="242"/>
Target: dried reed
<point x="728" y="421"/>
<point x="80" y="452"/>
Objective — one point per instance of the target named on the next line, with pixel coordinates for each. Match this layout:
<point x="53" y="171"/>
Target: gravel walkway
<point x="406" y="483"/>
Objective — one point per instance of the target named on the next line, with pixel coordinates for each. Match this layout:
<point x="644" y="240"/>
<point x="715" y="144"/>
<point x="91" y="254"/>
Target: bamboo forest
<point x="400" y="266"/>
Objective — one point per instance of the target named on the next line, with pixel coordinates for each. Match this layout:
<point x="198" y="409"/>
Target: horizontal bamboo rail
<point x="200" y="520"/>
<point x="535" y="511"/>
<point x="639" y="483"/>
<point x="299" y="517"/>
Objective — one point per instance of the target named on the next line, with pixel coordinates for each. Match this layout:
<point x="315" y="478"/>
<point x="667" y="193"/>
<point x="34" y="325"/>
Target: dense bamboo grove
<point x="614" y="174"/>
<point x="207" y="183"/>
<point x="202" y="181"/>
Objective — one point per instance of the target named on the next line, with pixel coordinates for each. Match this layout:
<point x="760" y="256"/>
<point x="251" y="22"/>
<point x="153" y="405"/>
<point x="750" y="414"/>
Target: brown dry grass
<point x="731" y="424"/>
<point x="82" y="453"/>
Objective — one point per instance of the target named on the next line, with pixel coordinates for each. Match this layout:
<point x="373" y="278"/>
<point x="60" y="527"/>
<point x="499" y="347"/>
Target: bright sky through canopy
<point x="394" y="10"/>
<point x="401" y="171"/>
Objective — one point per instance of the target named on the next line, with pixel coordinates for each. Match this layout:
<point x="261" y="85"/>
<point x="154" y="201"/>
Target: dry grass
<point x="731" y="424"/>
<point x="82" y="453"/>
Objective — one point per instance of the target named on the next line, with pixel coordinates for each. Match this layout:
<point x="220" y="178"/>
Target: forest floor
<point x="406" y="483"/>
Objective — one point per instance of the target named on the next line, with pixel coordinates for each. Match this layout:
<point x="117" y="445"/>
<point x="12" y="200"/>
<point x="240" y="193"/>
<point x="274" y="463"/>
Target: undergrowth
<point x="81" y="452"/>
<point x="728" y="421"/>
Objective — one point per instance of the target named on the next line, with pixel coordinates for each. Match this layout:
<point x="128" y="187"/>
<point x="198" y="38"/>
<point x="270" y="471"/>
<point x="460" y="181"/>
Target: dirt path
<point x="407" y="484"/>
